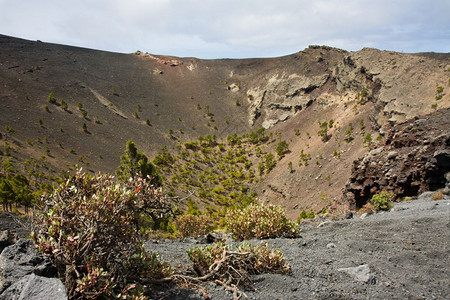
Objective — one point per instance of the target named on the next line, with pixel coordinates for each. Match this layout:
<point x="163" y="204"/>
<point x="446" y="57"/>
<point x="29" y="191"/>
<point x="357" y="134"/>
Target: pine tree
<point x="133" y="162"/>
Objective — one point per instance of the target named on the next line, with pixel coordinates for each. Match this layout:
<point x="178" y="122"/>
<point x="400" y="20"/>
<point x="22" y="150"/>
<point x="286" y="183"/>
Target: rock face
<point x="414" y="157"/>
<point x="25" y="274"/>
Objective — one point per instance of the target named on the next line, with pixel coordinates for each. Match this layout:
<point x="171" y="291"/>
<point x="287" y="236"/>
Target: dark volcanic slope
<point x="29" y="71"/>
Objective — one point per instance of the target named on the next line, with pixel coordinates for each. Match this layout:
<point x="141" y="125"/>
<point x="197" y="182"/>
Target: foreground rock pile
<point x="27" y="275"/>
<point x="413" y="157"/>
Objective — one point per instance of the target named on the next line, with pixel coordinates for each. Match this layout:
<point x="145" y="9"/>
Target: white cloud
<point x="220" y="28"/>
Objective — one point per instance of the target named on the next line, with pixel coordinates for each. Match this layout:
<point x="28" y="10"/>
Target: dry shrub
<point x="191" y="225"/>
<point x="438" y="195"/>
<point x="89" y="229"/>
<point x="234" y="267"/>
<point x="367" y="208"/>
<point x="260" y="221"/>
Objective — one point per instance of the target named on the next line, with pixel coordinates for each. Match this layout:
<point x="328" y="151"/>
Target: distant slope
<point x="159" y="101"/>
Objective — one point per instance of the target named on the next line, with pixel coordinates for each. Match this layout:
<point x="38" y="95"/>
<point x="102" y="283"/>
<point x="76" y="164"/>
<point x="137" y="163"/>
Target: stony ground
<point x="401" y="254"/>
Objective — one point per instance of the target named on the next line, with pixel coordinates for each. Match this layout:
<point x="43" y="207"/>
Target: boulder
<point x="20" y="260"/>
<point x="361" y="273"/>
<point x="32" y="287"/>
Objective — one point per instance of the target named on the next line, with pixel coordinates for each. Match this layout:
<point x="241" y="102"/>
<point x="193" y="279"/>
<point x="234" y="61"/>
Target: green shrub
<point x="382" y="200"/>
<point x="89" y="229"/>
<point x="349" y="133"/>
<point x="367" y="139"/>
<point x="192" y="225"/>
<point x="51" y="98"/>
<point x="260" y="221"/>
<point x="323" y="131"/>
<point x="85" y="128"/>
<point x="282" y="149"/>
<point x="64" y="105"/>
<point x="306" y="215"/>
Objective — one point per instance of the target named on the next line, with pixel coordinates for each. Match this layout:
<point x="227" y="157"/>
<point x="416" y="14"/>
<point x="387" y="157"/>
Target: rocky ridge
<point x="413" y="157"/>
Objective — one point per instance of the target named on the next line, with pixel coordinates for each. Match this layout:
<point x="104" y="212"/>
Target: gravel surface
<point x="401" y="254"/>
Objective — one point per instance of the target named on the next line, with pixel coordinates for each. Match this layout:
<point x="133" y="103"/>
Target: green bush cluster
<point x="23" y="187"/>
<point x="304" y="158"/>
<point x="260" y="221"/>
<point x="216" y="173"/>
<point x="382" y="200"/>
<point x="306" y="215"/>
<point x="15" y="189"/>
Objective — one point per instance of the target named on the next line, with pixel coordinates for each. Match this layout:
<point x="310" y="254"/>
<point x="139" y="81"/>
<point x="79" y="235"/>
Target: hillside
<point x="100" y="100"/>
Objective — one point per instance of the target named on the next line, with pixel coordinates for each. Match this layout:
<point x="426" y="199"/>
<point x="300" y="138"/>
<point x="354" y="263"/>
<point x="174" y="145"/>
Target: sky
<point x="231" y="29"/>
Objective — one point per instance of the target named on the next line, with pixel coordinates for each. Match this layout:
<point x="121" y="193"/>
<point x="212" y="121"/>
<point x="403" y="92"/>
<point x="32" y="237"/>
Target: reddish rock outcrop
<point x="413" y="157"/>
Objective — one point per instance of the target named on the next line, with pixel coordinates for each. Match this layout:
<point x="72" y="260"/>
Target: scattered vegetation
<point x="304" y="158"/>
<point x="362" y="97"/>
<point x="439" y="92"/>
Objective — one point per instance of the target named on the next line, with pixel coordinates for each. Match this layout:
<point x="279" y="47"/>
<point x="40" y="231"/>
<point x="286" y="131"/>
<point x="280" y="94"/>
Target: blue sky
<point x="229" y="28"/>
